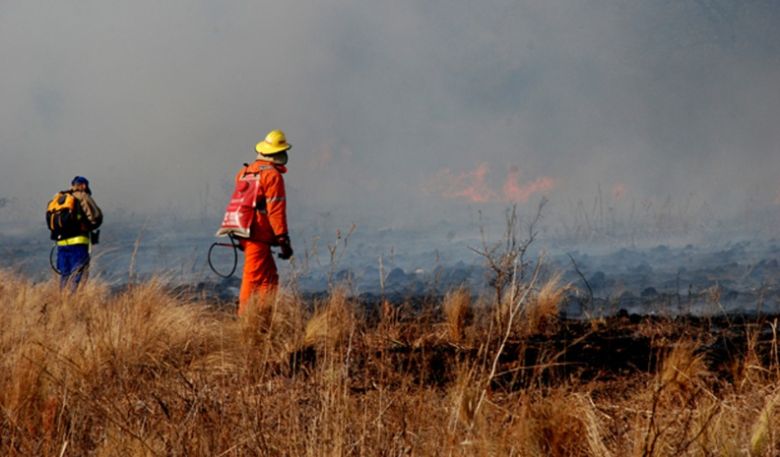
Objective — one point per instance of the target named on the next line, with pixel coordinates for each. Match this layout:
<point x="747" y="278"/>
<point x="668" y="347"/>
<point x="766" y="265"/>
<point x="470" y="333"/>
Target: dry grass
<point x="763" y="437"/>
<point x="543" y="308"/>
<point x="682" y="369"/>
<point x="332" y="323"/>
<point x="145" y="372"/>
<point x="457" y="307"/>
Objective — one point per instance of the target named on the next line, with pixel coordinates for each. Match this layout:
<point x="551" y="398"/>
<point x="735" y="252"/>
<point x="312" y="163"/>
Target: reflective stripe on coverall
<point x="260" y="276"/>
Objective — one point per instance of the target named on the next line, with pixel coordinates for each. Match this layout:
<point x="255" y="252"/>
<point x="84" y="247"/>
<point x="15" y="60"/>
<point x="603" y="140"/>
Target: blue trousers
<point x="72" y="262"/>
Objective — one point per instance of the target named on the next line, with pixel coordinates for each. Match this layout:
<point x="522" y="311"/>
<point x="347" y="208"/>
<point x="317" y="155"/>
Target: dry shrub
<point x="287" y="322"/>
<point x="734" y="424"/>
<point x="26" y="390"/>
<point x="558" y="424"/>
<point x="764" y="432"/>
<point x="389" y="318"/>
<point x="332" y="323"/>
<point x="503" y="309"/>
<point x="594" y="430"/>
<point x="748" y="370"/>
<point x="145" y="372"/>
<point x="464" y="396"/>
<point x="509" y="311"/>
<point x="543" y="307"/>
<point x="255" y="320"/>
<point x="273" y="329"/>
<point x="687" y="417"/>
<point x="74" y="362"/>
<point x="457" y="307"/>
<point x="715" y="424"/>
<point x="682" y="370"/>
<point x="141" y="328"/>
<point x="539" y="311"/>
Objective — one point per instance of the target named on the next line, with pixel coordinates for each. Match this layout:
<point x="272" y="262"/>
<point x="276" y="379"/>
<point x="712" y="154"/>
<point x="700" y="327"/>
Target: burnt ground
<point x="415" y="345"/>
<point x="606" y="348"/>
<point x="568" y="350"/>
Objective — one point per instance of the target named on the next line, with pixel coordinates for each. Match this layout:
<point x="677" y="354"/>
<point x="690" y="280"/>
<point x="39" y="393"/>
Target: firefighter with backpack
<point x="257" y="217"/>
<point x="73" y="218"/>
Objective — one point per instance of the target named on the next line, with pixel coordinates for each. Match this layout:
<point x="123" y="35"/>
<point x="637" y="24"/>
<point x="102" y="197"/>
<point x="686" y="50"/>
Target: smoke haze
<point x="399" y="111"/>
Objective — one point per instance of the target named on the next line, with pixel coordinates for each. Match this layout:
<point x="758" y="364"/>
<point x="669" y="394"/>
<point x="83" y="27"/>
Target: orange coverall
<point x="260" y="276"/>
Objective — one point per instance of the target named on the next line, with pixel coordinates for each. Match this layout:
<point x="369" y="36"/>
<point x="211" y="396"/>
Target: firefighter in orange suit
<point x="269" y="227"/>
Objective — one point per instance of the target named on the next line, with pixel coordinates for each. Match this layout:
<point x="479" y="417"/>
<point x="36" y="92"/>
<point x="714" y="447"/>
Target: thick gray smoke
<point x="397" y="110"/>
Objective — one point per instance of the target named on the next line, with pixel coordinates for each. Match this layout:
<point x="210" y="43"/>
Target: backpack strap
<point x="244" y="171"/>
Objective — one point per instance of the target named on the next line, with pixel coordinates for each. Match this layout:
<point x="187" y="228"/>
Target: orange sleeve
<point x="275" y="201"/>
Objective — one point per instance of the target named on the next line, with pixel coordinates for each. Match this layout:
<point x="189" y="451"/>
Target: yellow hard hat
<point x="274" y="143"/>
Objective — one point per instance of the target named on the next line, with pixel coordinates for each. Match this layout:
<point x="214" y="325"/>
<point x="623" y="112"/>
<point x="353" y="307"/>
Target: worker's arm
<point x="90" y="210"/>
<point x="276" y="202"/>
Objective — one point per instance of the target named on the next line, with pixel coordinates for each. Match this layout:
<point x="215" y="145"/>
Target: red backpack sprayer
<point x="237" y="221"/>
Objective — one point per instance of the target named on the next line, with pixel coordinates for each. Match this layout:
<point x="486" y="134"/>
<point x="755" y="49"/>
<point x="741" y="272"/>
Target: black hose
<point x="232" y="245"/>
<point x="52" y="261"/>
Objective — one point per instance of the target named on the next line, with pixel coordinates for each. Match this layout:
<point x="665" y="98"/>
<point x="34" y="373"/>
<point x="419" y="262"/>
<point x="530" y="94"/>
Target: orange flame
<point x="469" y="185"/>
<point x="514" y="192"/>
<point x="322" y="156"/>
<point x="474" y="187"/>
<point x="618" y="191"/>
<point x="327" y="154"/>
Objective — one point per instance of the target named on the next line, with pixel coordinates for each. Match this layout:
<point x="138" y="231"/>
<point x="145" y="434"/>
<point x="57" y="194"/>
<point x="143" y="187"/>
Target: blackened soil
<point x="604" y="350"/>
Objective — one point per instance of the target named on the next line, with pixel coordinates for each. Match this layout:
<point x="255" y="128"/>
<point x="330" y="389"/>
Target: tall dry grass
<point x="147" y="372"/>
<point x="457" y="308"/>
<point x="543" y="308"/>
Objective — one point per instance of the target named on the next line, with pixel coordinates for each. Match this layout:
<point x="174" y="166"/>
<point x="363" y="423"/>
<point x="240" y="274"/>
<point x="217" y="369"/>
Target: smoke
<point x="388" y="105"/>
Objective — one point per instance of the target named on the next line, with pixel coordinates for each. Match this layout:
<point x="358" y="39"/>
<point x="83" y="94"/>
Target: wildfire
<point x="322" y="156"/>
<point x="618" y="191"/>
<point x="514" y="192"/>
<point x="327" y="154"/>
<point x="469" y="185"/>
<point x="474" y="186"/>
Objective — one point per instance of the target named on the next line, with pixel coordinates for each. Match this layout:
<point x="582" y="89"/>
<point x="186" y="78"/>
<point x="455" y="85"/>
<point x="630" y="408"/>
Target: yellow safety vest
<point x="81" y="239"/>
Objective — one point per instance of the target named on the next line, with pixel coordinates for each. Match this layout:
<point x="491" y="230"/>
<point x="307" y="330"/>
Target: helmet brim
<point x="268" y="149"/>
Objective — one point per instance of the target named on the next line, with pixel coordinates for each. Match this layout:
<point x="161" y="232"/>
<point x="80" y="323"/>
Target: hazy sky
<point x="393" y="107"/>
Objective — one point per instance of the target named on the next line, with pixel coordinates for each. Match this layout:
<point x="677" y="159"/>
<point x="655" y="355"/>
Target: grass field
<point x="147" y="372"/>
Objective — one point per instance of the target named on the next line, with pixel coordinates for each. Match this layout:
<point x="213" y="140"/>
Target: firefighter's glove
<point x="284" y="244"/>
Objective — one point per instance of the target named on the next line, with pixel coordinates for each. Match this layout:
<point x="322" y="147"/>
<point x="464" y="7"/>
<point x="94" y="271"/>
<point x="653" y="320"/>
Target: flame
<point x="326" y="154"/>
<point x="514" y="192"/>
<point x="322" y="157"/>
<point x="469" y="185"/>
<point x="618" y="191"/>
<point x="473" y="185"/>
